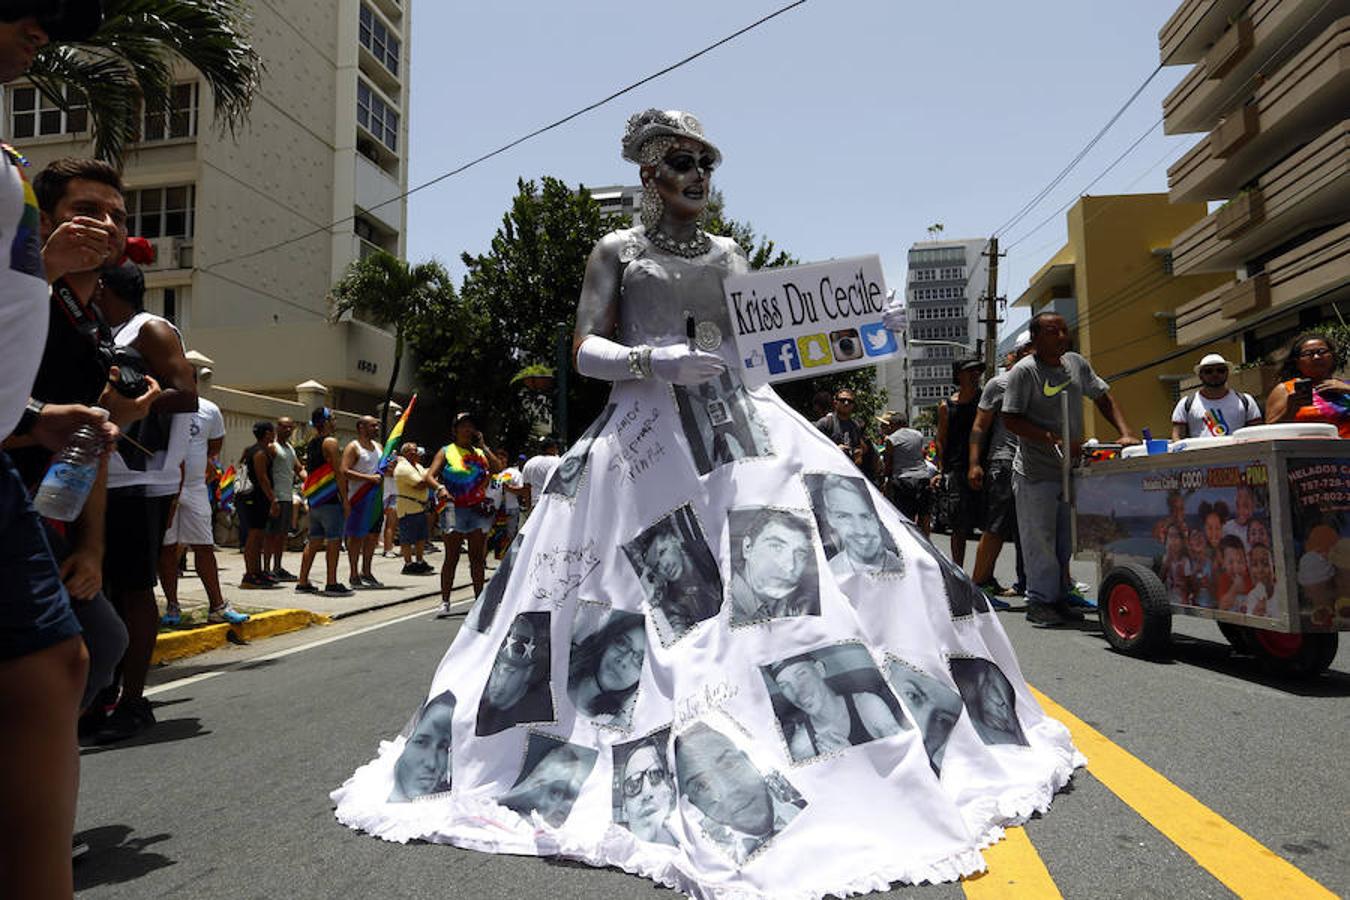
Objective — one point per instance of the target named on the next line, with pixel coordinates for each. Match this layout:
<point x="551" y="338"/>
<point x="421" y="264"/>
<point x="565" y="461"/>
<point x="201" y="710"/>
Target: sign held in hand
<point x="806" y="321"/>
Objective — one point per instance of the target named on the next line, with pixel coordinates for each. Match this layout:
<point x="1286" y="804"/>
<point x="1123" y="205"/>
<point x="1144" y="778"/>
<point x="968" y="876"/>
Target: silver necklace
<point x="695" y="246"/>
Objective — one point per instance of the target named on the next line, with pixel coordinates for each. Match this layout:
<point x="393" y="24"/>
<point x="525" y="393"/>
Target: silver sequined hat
<point x="644" y="126"/>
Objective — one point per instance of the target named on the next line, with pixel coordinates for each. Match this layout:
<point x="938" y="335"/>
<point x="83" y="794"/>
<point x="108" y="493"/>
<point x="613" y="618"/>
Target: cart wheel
<point x="1237" y="636"/>
<point x="1134" y="611"/>
<point x="1292" y="655"/>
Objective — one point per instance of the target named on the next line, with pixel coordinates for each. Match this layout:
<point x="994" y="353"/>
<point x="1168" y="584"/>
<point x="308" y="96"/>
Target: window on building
<point x="31" y="114"/>
<point x="179" y="121"/>
<point x="171" y="305"/>
<point x="376" y="38"/>
<point x="161" y="212"/>
<point x="376" y="116"/>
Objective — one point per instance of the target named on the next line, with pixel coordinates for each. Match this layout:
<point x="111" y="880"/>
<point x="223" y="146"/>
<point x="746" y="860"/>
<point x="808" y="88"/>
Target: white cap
<point x="1212" y="359"/>
<point x="1023" y="339"/>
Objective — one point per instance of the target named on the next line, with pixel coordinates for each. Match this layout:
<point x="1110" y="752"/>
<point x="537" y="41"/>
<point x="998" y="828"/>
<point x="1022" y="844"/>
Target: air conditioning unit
<point x="171" y="253"/>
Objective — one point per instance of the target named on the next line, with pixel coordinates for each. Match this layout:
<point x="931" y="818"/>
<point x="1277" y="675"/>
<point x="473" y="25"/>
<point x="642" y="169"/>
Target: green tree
<point x="129" y="62"/>
<point x="390" y="293"/>
<point x="521" y="299"/>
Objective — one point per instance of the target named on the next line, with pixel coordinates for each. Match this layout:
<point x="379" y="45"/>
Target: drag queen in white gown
<point x="778" y="727"/>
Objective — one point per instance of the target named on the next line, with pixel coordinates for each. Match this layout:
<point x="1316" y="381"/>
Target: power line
<point x="1072" y="200"/>
<point x="1223" y="335"/>
<point x="1064" y="172"/>
<point x="523" y="138"/>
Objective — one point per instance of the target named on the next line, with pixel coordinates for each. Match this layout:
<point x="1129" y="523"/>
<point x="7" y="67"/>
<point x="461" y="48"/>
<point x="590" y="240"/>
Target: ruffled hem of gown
<point x="451" y="820"/>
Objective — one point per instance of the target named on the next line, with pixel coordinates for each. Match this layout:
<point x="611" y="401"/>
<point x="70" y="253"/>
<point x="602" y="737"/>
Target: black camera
<point x="131" y="369"/>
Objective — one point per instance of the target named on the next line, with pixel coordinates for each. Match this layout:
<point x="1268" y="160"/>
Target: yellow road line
<point x="1239" y="861"/>
<point x="1015" y="869"/>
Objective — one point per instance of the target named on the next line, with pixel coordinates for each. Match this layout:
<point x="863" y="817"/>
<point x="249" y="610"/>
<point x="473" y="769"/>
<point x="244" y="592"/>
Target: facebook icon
<point x="782" y="356"/>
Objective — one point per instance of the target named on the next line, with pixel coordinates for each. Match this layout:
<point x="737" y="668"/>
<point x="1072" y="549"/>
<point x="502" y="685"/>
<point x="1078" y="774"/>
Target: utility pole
<point x="991" y="318"/>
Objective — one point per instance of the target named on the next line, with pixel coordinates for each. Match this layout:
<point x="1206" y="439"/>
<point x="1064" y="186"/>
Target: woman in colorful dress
<point x="745" y="819"/>
<point x="463" y="469"/>
<point x="1307" y="392"/>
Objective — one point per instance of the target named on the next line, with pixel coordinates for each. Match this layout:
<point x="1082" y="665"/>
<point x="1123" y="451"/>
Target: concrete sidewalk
<point x="282" y="609"/>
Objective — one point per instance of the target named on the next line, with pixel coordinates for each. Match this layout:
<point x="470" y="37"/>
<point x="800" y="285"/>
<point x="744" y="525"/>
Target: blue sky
<point x="848" y="126"/>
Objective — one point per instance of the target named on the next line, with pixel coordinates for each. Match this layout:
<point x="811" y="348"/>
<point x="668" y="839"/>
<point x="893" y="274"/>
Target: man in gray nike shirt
<point x="1031" y="410"/>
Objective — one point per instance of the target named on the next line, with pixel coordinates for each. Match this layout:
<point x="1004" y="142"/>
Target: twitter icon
<point x="877" y="340"/>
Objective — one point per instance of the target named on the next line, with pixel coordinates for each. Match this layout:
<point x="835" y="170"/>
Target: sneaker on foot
<point x="306" y="587"/>
<point x="411" y="569"/>
<point x="424" y="568"/>
<point x="1044" y="615"/>
<point x="444" y="611"/>
<point x="281" y="574"/>
<point x="337" y="589"/>
<point x="1069" y="612"/>
<point x="172" y="618"/>
<point x="129" y="719"/>
<point x="996" y="603"/>
<point x="1075" y="598"/>
<point x="226" y="615"/>
<point x="371" y="581"/>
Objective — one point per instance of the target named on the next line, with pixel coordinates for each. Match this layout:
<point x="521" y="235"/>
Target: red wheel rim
<point x="1278" y="644"/>
<point x="1126" y="611"/>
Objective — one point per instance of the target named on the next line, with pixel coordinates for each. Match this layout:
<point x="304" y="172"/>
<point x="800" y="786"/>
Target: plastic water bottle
<point x="71" y="476"/>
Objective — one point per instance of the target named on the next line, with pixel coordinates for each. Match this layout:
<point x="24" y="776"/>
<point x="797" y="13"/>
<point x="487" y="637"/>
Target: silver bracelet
<point x="645" y="361"/>
<point x="635" y="363"/>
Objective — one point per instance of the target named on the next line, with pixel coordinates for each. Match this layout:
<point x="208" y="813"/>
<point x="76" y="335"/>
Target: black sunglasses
<point x="683" y="162"/>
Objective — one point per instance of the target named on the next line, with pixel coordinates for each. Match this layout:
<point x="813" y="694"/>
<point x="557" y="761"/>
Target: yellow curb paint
<point x="1244" y="865"/>
<point x="192" y="641"/>
<point x="1015" y="870"/>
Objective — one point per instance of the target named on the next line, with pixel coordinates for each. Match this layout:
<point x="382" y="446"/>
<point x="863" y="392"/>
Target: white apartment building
<point x="945" y="282"/>
<point x="619" y="200"/>
<point x="326" y="142"/>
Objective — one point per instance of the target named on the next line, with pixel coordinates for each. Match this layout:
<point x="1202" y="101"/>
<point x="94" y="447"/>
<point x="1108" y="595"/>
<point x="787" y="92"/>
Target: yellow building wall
<point x="1120" y="283"/>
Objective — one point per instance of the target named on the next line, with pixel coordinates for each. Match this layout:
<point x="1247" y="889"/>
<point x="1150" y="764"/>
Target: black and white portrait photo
<point x="572" y="467"/>
<point x="963" y="597"/>
<point x="831" y="699"/>
<point x="550" y="779"/>
<point x="678" y="573"/>
<point x="484" y="611"/>
<point x="608" y="647"/>
<point x="720" y="422"/>
<point x="644" y="789"/>
<point x="737" y="807"/>
<point x="774" y="573"/>
<point x="933" y="706"/>
<point x="989" y="699"/>
<point x="851" y="530"/>
<point x="424" y="766"/>
<point x="518" y="688"/>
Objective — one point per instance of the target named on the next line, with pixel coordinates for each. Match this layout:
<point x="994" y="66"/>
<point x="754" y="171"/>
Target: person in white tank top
<point x="360" y="466"/>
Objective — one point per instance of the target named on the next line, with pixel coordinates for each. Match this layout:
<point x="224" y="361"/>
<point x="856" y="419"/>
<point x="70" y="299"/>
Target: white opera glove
<point x="893" y="315"/>
<point x="680" y="365"/>
<point x="602" y="358"/>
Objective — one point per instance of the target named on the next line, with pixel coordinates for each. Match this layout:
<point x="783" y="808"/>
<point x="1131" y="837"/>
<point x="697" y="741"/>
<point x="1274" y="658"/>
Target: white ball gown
<point x="716" y="657"/>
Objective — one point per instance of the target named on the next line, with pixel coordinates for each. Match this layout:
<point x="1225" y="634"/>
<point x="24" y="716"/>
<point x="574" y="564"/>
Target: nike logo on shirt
<point x="1051" y="391"/>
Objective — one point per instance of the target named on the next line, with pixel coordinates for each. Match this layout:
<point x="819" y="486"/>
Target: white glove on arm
<point x="602" y="358"/>
<point x="893" y="315"/>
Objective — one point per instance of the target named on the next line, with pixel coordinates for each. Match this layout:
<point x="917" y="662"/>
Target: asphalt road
<point x="228" y="796"/>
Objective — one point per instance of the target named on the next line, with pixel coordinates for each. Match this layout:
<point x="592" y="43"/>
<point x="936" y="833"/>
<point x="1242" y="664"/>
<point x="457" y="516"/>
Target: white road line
<point x="203" y="676"/>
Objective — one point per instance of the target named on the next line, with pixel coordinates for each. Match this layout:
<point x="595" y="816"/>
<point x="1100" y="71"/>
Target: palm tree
<point x="390" y="293"/>
<point x="129" y="62"/>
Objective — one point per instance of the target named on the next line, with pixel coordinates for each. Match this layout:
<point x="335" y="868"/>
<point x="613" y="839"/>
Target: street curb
<point x="348" y="613"/>
<point x="190" y="642"/>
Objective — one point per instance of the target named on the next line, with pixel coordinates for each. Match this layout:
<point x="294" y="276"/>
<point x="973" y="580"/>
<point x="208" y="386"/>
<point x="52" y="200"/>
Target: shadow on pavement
<point x="163" y="732"/>
<point x="116" y="857"/>
<point x="1220" y="657"/>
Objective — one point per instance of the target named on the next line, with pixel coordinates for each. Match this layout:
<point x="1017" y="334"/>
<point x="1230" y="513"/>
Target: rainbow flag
<point x="391" y="443"/>
<point x="225" y="490"/>
<point x="320" y="488"/>
<point x="367" y="507"/>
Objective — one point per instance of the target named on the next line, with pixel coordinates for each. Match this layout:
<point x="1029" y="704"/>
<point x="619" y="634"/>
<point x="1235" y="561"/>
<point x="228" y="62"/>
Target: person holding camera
<point x="1307" y="392"/>
<point x="82" y="223"/>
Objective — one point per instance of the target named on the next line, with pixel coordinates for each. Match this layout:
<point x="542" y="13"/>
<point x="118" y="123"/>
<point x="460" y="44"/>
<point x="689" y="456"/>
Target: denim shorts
<point x="465" y="520"/>
<point x="35" y="610"/>
<point x="413" y="527"/>
<point x="325" y="522"/>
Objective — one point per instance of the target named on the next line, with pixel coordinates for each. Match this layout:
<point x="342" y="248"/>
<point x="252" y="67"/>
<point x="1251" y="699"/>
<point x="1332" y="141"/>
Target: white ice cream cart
<point x="1251" y="531"/>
